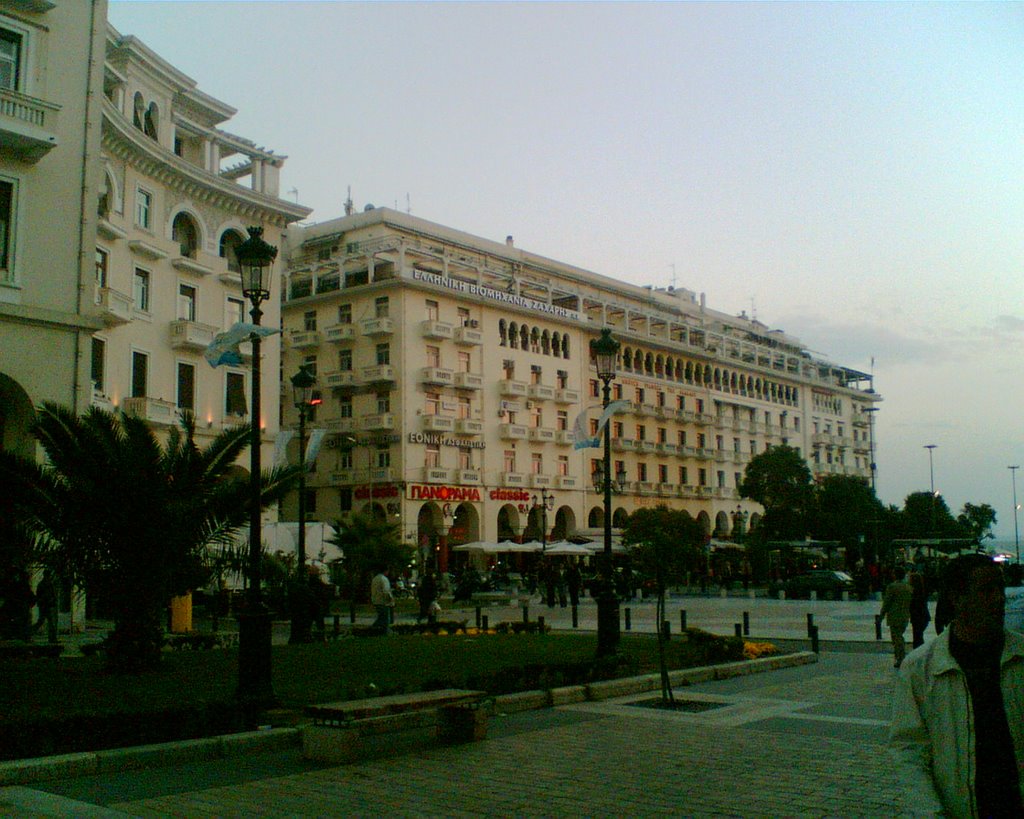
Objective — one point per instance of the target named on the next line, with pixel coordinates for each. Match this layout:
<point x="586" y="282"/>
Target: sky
<point x="852" y="174"/>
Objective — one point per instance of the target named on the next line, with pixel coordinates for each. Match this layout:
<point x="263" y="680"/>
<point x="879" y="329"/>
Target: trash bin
<point x="181" y="614"/>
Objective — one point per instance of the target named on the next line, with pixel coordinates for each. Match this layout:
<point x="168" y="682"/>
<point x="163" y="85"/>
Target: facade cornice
<point x="125" y="142"/>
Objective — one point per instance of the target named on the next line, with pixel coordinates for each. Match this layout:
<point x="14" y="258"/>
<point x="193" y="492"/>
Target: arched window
<point x="659" y="366"/>
<point x="556" y="344"/>
<point x="565" y="346"/>
<point x="649" y="364"/>
<point x="229" y="242"/>
<point x="183" y="231"/>
<point x="545" y="343"/>
<point x="689" y="372"/>
<point x="513" y="335"/>
<point x="535" y="340"/>
<point x="638" y="361"/>
<point x="503" y="332"/>
<point x="105" y="200"/>
<point x="524" y="337"/>
<point x="138" y="110"/>
<point x="152" y="123"/>
<point x="627" y="358"/>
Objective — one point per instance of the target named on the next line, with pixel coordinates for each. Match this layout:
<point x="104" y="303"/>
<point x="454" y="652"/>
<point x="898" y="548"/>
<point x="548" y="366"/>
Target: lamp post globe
<point x="255" y="691"/>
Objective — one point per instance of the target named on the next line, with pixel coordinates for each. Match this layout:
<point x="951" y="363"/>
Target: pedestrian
<point x="550" y="584"/>
<point x="426" y="593"/>
<point x="574" y="580"/>
<point x="382" y="598"/>
<point x="896" y="611"/>
<point x="560" y="586"/>
<point x="46" y="601"/>
<point x="957" y="730"/>
<point x="919" y="614"/>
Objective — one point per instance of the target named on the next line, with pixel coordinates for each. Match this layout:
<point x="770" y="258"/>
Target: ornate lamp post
<point x="302" y="394"/>
<point x="545" y="503"/>
<point x="255" y="261"/>
<point x="931" y="475"/>
<point x="605" y="351"/>
<point x="871" y="443"/>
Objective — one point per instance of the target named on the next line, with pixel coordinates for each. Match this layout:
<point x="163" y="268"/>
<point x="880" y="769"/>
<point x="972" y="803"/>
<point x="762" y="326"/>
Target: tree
<point x="845" y="509"/>
<point x="927" y="516"/>
<point x="977" y="521"/>
<point x="780" y="481"/>
<point x="666" y="543"/>
<point x="129" y="518"/>
<point x="367" y="542"/>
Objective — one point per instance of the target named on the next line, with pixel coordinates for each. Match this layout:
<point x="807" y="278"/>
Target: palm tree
<point x="129" y="518"/>
<point x="366" y="543"/>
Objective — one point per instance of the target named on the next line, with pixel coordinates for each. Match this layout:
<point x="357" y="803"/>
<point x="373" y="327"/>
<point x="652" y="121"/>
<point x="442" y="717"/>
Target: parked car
<point x="827" y="583"/>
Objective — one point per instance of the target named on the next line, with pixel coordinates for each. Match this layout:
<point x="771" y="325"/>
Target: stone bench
<point x="18" y="650"/>
<point x="354" y="730"/>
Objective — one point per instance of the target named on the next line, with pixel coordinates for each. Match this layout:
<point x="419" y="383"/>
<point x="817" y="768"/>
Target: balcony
<point x="538" y="481"/>
<point x="624" y="445"/>
<point x="721" y="456"/>
<point x="101" y="401"/>
<point x="437" y="375"/>
<point x="382" y="474"/>
<point x="468" y="336"/>
<point x="344" y="476"/>
<point x="339" y="332"/>
<point x="191" y="335"/>
<point x="470" y="476"/>
<point x="686" y="452"/>
<point x="436" y="474"/>
<point x="666" y="448"/>
<point x="380" y="422"/>
<point x="667" y="490"/>
<point x="115" y="306"/>
<point x="639" y="408"/>
<point x="686" y="416"/>
<point x="466" y="426"/>
<point x="377" y="326"/>
<point x="28" y="126"/>
<point x="514" y="389"/>
<point x="645" y="446"/>
<point x="341" y="425"/>
<point x="704" y="418"/>
<point x="189" y="265"/>
<point x="378" y="374"/>
<point x="512" y="479"/>
<point x="645" y="488"/>
<point x="512" y="432"/>
<point x="304" y="338"/>
<point x="340" y="379"/>
<point x="468" y="381"/>
<point x="147" y="250"/>
<point x="703" y="454"/>
<point x="436" y="329"/>
<point x="542" y="435"/>
<point x="687" y="491"/>
<point x="540" y="392"/>
<point x="438" y="423"/>
<point x="567" y="396"/>
<point x="566" y="482"/>
<point x="153" y="410"/>
<point x="108" y="230"/>
<point x="565" y="437"/>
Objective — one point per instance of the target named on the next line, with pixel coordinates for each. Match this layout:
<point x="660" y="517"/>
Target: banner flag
<point x="316" y="440"/>
<point x="281" y="442"/>
<point x="224" y="347"/>
<point x="582" y="438"/>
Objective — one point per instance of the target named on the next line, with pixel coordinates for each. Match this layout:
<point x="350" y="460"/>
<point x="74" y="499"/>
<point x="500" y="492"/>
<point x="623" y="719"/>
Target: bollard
<point x="629" y="619"/>
<point x="337" y="624"/>
<point x="526" y="614"/>
<point x="810" y="623"/>
<point x="478" y="617"/>
<point x="484" y="623"/>
<point x="540" y="625"/>
<point x="666" y="629"/>
<point x="814" y="639"/>
<point x="746" y="624"/>
<point x="878" y="626"/>
<point x="682" y="620"/>
<point x="738" y="628"/>
<point x="575" y="616"/>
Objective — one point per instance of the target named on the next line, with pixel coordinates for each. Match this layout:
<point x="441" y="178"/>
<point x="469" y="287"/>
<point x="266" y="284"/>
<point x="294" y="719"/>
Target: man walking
<point x="383" y="600"/>
<point x="958" y="709"/>
<point x="896" y="611"/>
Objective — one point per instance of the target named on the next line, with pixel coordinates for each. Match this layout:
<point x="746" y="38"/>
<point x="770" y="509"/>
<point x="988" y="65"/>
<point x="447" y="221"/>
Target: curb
<point x="89" y="763"/>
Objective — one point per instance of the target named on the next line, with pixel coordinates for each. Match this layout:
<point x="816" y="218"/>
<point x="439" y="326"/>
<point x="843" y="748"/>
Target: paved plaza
<point x="802" y="741"/>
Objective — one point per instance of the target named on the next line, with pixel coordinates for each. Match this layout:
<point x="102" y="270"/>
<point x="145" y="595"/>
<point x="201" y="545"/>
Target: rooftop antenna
<point x="295" y="191"/>
<point x="349" y="207"/>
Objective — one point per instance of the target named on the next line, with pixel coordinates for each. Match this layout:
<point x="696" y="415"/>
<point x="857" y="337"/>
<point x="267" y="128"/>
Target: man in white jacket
<point x="958" y="709"/>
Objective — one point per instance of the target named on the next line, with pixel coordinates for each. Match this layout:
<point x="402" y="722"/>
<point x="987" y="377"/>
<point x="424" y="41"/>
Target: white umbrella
<point x="476" y="546"/>
<point x="564" y="547"/>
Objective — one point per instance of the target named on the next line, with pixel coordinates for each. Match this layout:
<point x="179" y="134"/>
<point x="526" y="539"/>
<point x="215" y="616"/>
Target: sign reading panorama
<point x="471" y="289"/>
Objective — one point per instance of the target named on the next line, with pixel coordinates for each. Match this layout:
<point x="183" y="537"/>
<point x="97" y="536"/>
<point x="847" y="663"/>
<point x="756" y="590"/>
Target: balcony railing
<point x="191" y="335"/>
<point x="304" y="338"/>
<point x="436" y="329"/>
<point x="438" y="423"/>
<point x="28" y="126"/>
<point x="468" y="381"/>
<point x="339" y="332"/>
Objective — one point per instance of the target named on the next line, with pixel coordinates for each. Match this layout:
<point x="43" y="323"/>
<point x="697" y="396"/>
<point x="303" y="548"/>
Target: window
<point x="593" y="427"/>
<point x="229" y="242"/>
<point x="99" y="360"/>
<point x="702" y="477"/>
<point x="186" y="302"/>
<point x="143" y="208"/>
<point x="380" y="307"/>
<point x="433" y="356"/>
<point x="464" y="407"/>
<point x="639" y="396"/>
<point x="345" y="459"/>
<point x="383" y="402"/>
<point x="183" y="231"/>
<point x="681" y="402"/>
<point x="432" y="403"/>
<point x="102" y="268"/>
<point x="465" y="458"/>
<point x="383" y="457"/>
<point x="463" y="316"/>
<point x="345" y="499"/>
<point x="509" y="369"/>
<point x="682" y="437"/>
<point x="735" y="444"/>
<point x="535" y="374"/>
<point x="620" y="468"/>
<point x="344" y="314"/>
<point x="641" y="473"/>
<point x="563" y="464"/>
<point x="311" y="501"/>
<point x="684" y="478"/>
<point x="186" y="386"/>
<point x="536" y="463"/>
<point x="140" y="374"/>
<point x="510" y="460"/>
<point x="662" y="435"/>
<point x="345" y="407"/>
<point x="464" y="362"/>
<point x="661" y="399"/>
<point x="594" y="389"/>
<point x="617" y="392"/>
<point x="536" y="417"/>
<point x="234" y="310"/>
<point x="641" y="432"/>
<point x="702" y="440"/>
<point x="309" y="321"/>
<point x="433" y="310"/>
<point x="10" y="59"/>
<point x="383" y="354"/>
<point x="700" y="405"/>
<point x="6" y="231"/>
<point x="617" y="429"/>
<point x="234" y="394"/>
<point x="432" y="457"/>
<point x="562" y="420"/>
<point x="662" y="473"/>
<point x="141" y="290"/>
<point x="721" y="479"/>
<point x="737" y="478"/>
<point x="562" y="379"/>
<point x="345" y="360"/>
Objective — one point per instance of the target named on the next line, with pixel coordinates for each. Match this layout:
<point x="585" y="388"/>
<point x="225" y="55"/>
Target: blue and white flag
<point x="224" y="347"/>
<point x="316" y="441"/>
<point x="281" y="442"/>
<point x="582" y="438"/>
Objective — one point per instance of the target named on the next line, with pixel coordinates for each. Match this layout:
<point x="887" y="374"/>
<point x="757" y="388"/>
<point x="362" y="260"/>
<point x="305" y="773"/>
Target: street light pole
<point x="302" y="392"/>
<point x="255" y="690"/>
<point x="1016" y="534"/>
<point x="546" y="502"/>
<point x="605" y="351"/>
<point x="931" y="475"/>
<point x="871" y="442"/>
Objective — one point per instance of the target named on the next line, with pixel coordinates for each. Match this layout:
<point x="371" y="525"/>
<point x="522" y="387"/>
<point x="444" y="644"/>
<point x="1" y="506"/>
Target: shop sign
<point x="473" y="289"/>
<point x="443" y="493"/>
<point x="432" y="439"/>
<point x="509" y="495"/>
<point x="384" y="490"/>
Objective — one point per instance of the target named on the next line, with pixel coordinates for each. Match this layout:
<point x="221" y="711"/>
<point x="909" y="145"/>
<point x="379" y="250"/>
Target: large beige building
<point x="51" y="70"/>
<point x="175" y="197"/>
<point x="453" y="367"/>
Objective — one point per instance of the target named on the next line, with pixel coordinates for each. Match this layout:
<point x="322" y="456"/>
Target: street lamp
<point x="255" y="691"/>
<point x="871" y="442"/>
<point x="546" y="503"/>
<point x="1016" y="535"/>
<point x="931" y="475"/>
<point x="302" y="395"/>
<point x="605" y="351"/>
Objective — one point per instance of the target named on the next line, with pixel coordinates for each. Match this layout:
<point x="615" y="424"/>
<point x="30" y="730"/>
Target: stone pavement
<point x="802" y="741"/>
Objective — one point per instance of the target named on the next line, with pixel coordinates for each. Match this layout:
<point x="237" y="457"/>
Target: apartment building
<point x="176" y="193"/>
<point x="452" y="369"/>
<point x="51" y="70"/>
